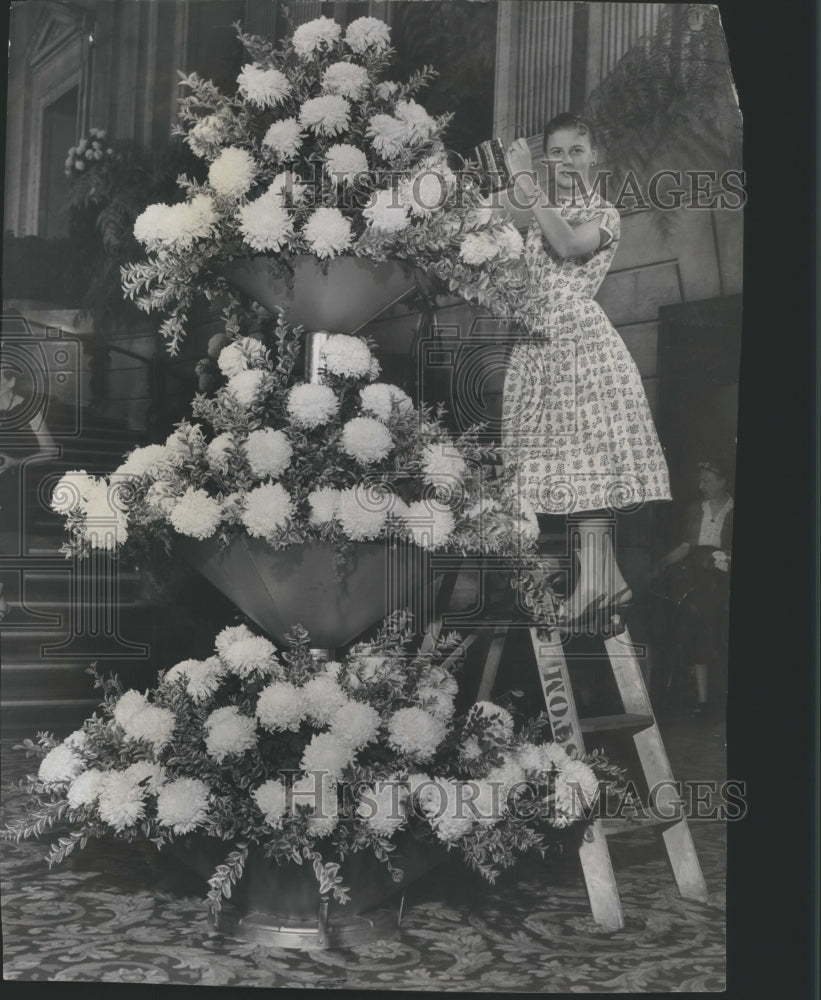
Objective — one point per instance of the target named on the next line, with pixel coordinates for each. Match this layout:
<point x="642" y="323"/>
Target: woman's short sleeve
<point x="609" y="227"/>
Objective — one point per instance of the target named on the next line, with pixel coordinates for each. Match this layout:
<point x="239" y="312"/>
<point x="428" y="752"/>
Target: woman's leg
<point x="600" y="578"/>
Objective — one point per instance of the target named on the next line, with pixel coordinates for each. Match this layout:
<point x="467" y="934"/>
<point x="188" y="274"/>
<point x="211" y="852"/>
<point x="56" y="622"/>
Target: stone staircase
<point x="65" y="614"/>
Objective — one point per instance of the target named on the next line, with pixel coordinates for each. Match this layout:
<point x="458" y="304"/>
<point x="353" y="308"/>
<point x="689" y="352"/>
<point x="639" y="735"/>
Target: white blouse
<point x="710" y="533"/>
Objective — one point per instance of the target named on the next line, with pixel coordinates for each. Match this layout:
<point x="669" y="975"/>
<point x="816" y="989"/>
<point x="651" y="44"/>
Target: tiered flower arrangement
<point x="252" y="747"/>
<point x="316" y="153"/>
<point x="349" y="459"/>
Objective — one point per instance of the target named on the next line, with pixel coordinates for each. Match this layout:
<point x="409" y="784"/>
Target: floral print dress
<point x="576" y="426"/>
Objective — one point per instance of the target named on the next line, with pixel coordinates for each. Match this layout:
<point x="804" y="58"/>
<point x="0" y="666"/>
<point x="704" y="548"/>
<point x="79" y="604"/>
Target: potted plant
<point x="306" y="501"/>
<point x="316" y="789"/>
<point x="327" y="186"/>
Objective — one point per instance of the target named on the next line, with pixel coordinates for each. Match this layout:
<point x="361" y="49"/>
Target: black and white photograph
<point x="369" y="436"/>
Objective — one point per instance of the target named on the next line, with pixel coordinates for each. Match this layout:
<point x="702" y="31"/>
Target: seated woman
<point x="698" y="572"/>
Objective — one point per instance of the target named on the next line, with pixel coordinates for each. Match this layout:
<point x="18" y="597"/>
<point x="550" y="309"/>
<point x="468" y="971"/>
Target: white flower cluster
<point x="264" y="87"/>
<point x="327" y="232"/>
<point x="232" y="173"/>
<point x="315" y="37"/>
<point x="481" y="247"/>
<point x="176" y="227"/>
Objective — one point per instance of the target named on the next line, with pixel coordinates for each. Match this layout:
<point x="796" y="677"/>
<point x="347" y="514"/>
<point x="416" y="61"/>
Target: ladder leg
<point x="492" y="660"/>
<point x="594" y="853"/>
<point x="656" y="766"/>
<point x="600" y="879"/>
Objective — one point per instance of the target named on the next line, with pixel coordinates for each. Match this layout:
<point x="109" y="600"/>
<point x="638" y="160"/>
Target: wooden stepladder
<point x="569" y="730"/>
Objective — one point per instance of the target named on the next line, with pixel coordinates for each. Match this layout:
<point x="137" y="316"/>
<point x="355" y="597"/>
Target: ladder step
<point x="625" y="722"/>
<point x="613" y="827"/>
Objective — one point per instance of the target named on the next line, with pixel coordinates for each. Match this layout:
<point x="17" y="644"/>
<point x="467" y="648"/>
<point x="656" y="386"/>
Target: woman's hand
<point x="519" y="159"/>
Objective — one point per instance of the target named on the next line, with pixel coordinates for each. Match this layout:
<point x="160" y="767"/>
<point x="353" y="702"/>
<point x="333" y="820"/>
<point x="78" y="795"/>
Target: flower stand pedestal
<point x="339" y="295"/>
<point x="280" y="905"/>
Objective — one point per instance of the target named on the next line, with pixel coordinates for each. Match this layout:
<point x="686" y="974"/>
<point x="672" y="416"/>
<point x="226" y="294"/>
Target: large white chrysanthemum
<point x="219" y="453"/>
<point x="427" y="190"/>
<point x="284" y="138"/>
<point x="385" y="213"/>
<point x="510" y="776"/>
<point x="383" y="807"/>
<point x="232" y="173"/>
<point x="85" y="788"/>
<point x="576" y="789"/>
<point x="327" y="754"/>
<point x="271" y="799"/>
<point x="60" y="764"/>
<point x="346" y="356"/>
<point x="355" y="723"/>
<point x="121" y="801"/>
<point x="195" y="514"/>
<point x="316" y="36"/>
<point x="536" y="759"/>
<point x="324" y="505"/>
<point x="430" y="523"/>
<point x="229" y="636"/>
<point x="178" y="226"/>
<point x="147" y="773"/>
<point x="345" y="163"/>
<point x="250" y="655"/>
<point x="265" y="222"/>
<point x="381" y="400"/>
<point x="200" y="677"/>
<point x="442" y="465"/>
<point x="346" y="79"/>
<point x="367" y="440"/>
<point x="327" y="232"/>
<point x="415" y="732"/>
<point x="240" y="355"/>
<point x="106" y="523"/>
<point x="328" y="115"/>
<point x="444" y="804"/>
<point x="71" y="490"/>
<point x="478" y="248"/>
<point x="248" y="387"/>
<point x="204" y="678"/>
<point x="280" y="706"/>
<point x="263" y="87"/>
<point x="154" y="725"/>
<point x="311" y="406"/>
<point x="388" y="135"/>
<point x="361" y="514"/>
<point x="322" y="698"/>
<point x="183" y="804"/>
<point x="511" y="244"/>
<point x="143" y="461"/>
<point x="228" y="732"/>
<point x="416" y="118"/>
<point x="128" y="705"/>
<point x="268" y="452"/>
<point x="368" y="34"/>
<point x="268" y="508"/>
<point x="319" y="794"/>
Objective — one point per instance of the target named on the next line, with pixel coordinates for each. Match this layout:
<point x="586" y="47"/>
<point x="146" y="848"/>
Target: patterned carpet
<point x="123" y="913"/>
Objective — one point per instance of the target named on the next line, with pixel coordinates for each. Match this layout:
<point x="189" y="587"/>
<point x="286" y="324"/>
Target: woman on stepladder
<point x="576" y="427"/>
